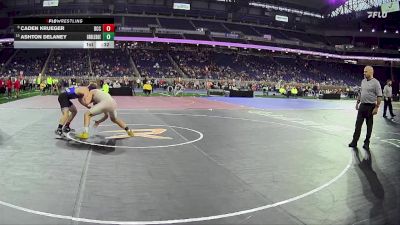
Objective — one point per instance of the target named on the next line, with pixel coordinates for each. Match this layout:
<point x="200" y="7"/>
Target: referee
<point x="387" y="99"/>
<point x="370" y="99"/>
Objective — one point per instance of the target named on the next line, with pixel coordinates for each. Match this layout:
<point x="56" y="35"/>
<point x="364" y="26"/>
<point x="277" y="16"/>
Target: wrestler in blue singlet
<point x="71" y="92"/>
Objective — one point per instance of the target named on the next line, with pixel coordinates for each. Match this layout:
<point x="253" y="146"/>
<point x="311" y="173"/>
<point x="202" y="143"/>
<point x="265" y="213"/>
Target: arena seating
<point x="211" y="26"/>
<point x="195" y="62"/>
<point x="153" y="63"/>
<point x="110" y="62"/>
<point x="179" y="24"/>
<point x="5" y="54"/>
<point x="29" y="61"/>
<point x="68" y="62"/>
<point x="140" y="21"/>
<point x="245" y="29"/>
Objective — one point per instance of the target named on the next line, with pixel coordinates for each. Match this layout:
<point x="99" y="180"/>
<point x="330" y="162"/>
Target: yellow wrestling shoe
<point x="83" y="135"/>
<point x="130" y="133"/>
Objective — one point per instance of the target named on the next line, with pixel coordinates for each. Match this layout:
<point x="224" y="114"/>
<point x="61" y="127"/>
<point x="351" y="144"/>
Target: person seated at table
<point x="116" y="84"/>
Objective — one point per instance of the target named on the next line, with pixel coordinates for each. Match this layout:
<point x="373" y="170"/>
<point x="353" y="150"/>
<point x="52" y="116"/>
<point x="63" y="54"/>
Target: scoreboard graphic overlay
<point x="64" y="33"/>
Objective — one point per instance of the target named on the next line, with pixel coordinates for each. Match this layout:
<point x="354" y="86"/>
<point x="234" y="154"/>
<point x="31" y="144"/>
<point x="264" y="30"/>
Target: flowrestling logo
<point x="376" y="14"/>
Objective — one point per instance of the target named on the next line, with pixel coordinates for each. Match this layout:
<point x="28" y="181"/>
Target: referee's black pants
<point x="364" y="112"/>
<point x="387" y="104"/>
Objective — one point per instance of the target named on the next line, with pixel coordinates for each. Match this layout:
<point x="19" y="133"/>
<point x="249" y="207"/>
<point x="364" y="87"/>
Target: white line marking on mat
<point x="189" y="220"/>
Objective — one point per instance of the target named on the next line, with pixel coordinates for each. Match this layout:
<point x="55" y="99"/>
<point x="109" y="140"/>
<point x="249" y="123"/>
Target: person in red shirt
<point x="1" y="86"/>
<point x="9" y="85"/>
<point x="17" y="87"/>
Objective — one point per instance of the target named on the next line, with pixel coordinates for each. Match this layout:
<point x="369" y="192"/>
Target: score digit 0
<point x="108" y="27"/>
<point x="108" y="36"/>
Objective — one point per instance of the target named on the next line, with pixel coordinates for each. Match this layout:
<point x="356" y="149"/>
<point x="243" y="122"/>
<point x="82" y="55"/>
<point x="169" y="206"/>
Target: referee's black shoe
<point x="366" y="147"/>
<point x="353" y="145"/>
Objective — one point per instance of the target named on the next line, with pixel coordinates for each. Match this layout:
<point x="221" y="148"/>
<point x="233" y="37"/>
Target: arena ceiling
<point x="317" y="6"/>
<point x="312" y="4"/>
<point x="320" y="6"/>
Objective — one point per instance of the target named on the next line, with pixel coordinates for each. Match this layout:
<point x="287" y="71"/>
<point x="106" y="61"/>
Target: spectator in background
<point x="125" y="82"/>
<point x="55" y="86"/>
<point x="265" y="90"/>
<point x="2" y="89"/>
<point x="49" y="85"/>
<point x="43" y="87"/>
<point x="147" y="88"/>
<point x="315" y="91"/>
<point x="138" y="83"/>
<point x="73" y="80"/>
<point x="17" y="87"/>
<point x="9" y="85"/>
<point x="105" y="87"/>
<point x="116" y="84"/>
<point x="305" y="92"/>
<point x="282" y="90"/>
<point x="31" y="83"/>
<point x="65" y="83"/>
<point x="38" y="82"/>
<point x="24" y="84"/>
<point x="294" y="91"/>
<point x="132" y="86"/>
